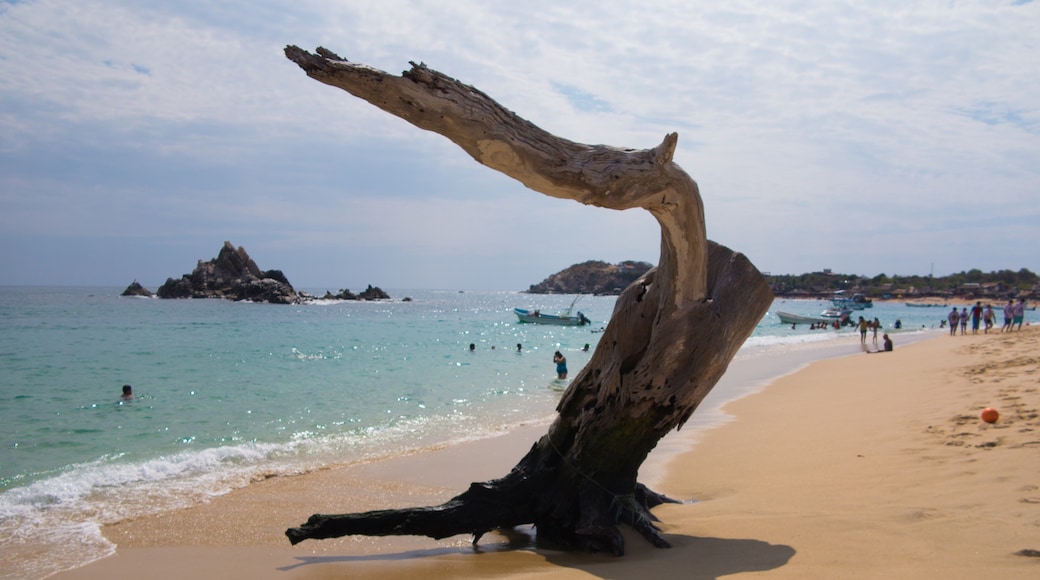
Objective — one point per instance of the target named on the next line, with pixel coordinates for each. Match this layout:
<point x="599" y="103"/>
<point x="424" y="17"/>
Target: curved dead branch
<point x="669" y="340"/>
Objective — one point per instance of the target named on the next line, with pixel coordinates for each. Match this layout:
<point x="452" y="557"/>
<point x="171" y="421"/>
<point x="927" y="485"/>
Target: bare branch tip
<point x="328" y="54"/>
<point x="664" y="152"/>
<point x="293" y="52"/>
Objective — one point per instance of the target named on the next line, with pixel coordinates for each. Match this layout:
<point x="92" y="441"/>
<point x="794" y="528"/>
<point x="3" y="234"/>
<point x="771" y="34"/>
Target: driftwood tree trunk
<point x="670" y="339"/>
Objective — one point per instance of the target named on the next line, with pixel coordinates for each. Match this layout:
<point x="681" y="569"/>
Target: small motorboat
<point x="563" y="319"/>
<point x="788" y="318"/>
<point x="536" y="317"/>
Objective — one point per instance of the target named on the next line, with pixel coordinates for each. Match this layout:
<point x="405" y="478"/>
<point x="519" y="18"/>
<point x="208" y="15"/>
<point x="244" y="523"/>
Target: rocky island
<point x="233" y="275"/>
<point x="592" y="277"/>
<point x="135" y="289"/>
<point x="370" y="293"/>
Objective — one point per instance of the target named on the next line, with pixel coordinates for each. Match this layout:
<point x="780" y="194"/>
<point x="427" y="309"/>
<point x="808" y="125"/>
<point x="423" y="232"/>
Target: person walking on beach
<point x="874" y="326"/>
<point x="976" y="317"/>
<point x="964" y="321"/>
<point x="863" y="326"/>
<point x="953" y="317"/>
<point x="561" y="365"/>
<point x="1018" y="313"/>
<point x="988" y="318"/>
<point x="1009" y="310"/>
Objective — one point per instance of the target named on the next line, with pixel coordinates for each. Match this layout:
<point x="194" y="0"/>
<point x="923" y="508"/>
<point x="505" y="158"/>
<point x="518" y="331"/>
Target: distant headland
<point x="592" y="277"/>
<point x="971" y="285"/>
<point x="595" y="277"/>
<point x="233" y="275"/>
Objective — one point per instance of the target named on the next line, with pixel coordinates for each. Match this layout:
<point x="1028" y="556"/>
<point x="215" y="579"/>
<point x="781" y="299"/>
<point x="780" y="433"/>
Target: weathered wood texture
<point x="669" y="340"/>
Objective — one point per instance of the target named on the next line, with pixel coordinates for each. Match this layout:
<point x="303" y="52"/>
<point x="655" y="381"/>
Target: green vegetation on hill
<point x="592" y="277"/>
<point x="596" y="277"/>
<point x="973" y="283"/>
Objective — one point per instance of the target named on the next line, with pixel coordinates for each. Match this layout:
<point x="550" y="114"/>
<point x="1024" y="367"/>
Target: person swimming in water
<point x="128" y="393"/>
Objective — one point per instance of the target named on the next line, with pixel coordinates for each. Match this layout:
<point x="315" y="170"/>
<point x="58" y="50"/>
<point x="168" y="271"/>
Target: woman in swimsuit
<point x="561" y="365"/>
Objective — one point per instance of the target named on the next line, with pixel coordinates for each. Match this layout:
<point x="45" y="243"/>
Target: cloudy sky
<point x="873" y="137"/>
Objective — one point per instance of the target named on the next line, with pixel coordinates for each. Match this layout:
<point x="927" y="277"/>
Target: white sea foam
<point x="63" y="514"/>
<point x="69" y="508"/>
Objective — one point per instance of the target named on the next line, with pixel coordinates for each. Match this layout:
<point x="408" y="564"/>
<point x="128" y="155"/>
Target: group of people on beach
<point x="865" y="326"/>
<point x="1014" y="314"/>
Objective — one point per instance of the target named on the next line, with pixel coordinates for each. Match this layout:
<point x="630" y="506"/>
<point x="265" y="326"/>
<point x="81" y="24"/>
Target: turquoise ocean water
<point x="227" y="392"/>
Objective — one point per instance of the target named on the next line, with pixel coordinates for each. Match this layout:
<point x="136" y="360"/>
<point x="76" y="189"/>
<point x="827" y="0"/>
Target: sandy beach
<point x="865" y="466"/>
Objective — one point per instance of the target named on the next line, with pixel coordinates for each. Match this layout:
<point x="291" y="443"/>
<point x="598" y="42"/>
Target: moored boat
<point x="788" y="318"/>
<point x="536" y="317"/>
<point x="847" y="304"/>
<point x="563" y="319"/>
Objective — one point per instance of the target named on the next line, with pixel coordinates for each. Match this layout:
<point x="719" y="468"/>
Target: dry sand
<point x="868" y="466"/>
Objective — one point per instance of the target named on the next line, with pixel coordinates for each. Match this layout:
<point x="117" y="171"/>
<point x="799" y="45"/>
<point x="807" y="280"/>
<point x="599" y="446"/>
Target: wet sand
<point x="865" y="466"/>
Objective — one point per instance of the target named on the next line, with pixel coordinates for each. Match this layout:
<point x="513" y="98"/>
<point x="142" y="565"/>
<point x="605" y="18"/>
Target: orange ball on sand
<point x="990" y="415"/>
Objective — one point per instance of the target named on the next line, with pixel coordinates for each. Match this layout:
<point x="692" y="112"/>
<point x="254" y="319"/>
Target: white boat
<point x="562" y="319"/>
<point x="848" y="304"/>
<point x="536" y="317"/>
<point x="788" y="318"/>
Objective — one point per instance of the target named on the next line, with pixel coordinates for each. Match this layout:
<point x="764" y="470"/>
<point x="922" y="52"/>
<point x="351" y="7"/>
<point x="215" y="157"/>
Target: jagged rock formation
<point x="135" y="289"/>
<point x="370" y="293"/>
<point x="592" y="277"/>
<point x="232" y="275"/>
<point x="671" y="336"/>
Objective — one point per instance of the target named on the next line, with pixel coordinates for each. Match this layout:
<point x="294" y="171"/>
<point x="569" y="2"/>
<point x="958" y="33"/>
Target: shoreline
<point x="774" y="491"/>
<point x="871" y="467"/>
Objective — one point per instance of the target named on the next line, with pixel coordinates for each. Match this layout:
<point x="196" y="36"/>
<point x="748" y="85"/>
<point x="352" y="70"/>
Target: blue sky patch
<point x="582" y="100"/>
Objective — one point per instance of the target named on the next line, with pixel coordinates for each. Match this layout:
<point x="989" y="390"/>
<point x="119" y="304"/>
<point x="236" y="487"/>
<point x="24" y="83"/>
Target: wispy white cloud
<point x="861" y="137"/>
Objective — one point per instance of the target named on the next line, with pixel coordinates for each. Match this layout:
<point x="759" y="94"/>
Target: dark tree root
<point x="501" y="504"/>
<point x="476" y="511"/>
